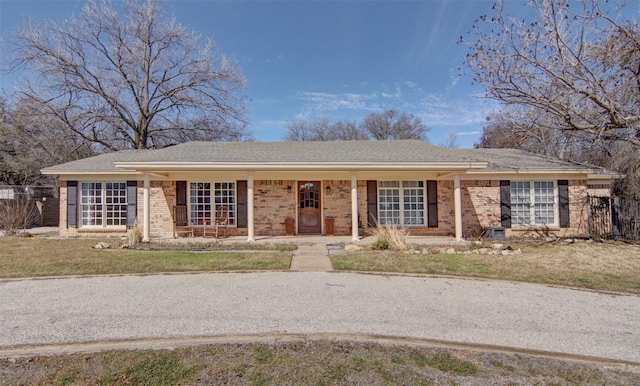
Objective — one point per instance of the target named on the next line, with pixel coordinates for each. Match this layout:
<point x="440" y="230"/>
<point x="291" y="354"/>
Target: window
<point x="533" y="203"/>
<point x="401" y="203"/>
<point x="200" y="194"/>
<point x="103" y="204"/>
<point x="203" y="207"/>
<point x="226" y="197"/>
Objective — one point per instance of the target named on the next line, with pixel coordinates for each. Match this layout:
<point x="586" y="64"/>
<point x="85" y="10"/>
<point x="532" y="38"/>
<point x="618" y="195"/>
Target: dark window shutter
<point x="432" y="204"/>
<point x="563" y="197"/>
<point x="372" y="203"/>
<point x="72" y="208"/>
<point x="181" y="192"/>
<point x="132" y="203"/>
<point x="241" y="195"/>
<point x="505" y="204"/>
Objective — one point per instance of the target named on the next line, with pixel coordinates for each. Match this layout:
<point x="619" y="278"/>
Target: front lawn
<point x="40" y="256"/>
<point x="607" y="267"/>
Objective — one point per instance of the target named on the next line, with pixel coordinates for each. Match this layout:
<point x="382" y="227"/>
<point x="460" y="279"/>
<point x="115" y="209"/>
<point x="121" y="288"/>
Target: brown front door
<point x="309" y="207"/>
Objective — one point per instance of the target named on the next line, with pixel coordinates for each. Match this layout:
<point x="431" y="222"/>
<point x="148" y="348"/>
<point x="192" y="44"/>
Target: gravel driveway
<point x="468" y="311"/>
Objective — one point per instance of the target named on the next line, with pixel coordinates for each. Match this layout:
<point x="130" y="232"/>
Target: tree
<point x="450" y="140"/>
<point x="520" y="130"/>
<point x="380" y="126"/>
<point x="130" y="79"/>
<point x="571" y="63"/>
<point x="30" y="141"/>
<point x="392" y="124"/>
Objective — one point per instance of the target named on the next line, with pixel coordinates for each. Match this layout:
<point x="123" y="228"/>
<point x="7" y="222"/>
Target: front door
<point x="309" y="207"/>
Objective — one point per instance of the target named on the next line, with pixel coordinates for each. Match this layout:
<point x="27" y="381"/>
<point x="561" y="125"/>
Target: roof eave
<point x="190" y="166"/>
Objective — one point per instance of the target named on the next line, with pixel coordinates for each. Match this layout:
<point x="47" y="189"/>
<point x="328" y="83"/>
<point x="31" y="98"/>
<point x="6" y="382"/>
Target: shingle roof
<point x="297" y="153"/>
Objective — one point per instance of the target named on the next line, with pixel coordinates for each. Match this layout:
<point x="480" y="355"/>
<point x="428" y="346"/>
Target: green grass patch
<point x="35" y="256"/>
<point x="154" y="368"/>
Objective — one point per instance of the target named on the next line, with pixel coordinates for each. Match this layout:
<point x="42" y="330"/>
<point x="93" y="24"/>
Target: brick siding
<point x="273" y="203"/>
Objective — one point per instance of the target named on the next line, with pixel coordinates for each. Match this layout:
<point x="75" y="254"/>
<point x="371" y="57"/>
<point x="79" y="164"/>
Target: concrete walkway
<point x="311" y="258"/>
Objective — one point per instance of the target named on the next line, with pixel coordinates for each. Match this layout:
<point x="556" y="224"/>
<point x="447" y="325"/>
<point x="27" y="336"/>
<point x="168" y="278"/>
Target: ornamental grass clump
<point x="390" y="236"/>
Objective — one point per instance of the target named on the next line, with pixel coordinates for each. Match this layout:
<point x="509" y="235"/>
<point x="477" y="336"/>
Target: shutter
<point x="72" y="208"/>
<point x="181" y="192"/>
<point x="241" y="196"/>
<point x="432" y="204"/>
<point x="372" y="203"/>
<point x="505" y="204"/>
<point x="132" y="203"/>
<point x="563" y="198"/>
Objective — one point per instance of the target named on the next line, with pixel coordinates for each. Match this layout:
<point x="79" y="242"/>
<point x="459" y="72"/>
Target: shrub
<point x="380" y="244"/>
<point x="391" y="236"/>
<point x="16" y="215"/>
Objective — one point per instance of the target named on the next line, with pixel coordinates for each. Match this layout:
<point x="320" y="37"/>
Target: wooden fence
<point x="614" y="217"/>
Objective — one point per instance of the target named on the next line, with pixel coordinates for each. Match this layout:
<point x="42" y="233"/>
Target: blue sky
<point x="335" y="59"/>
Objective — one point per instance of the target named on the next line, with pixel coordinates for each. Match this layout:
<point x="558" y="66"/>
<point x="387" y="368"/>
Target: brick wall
<point x="273" y="203"/>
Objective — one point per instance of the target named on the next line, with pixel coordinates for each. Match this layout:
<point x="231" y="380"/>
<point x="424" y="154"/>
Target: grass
<point x="320" y="362"/>
<point x="39" y="256"/>
<point x="605" y="267"/>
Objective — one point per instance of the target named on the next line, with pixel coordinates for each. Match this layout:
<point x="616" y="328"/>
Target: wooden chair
<point x="181" y="221"/>
<point x="221" y="219"/>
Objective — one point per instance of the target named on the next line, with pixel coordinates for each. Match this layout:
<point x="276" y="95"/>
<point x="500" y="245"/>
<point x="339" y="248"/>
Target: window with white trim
<point x="533" y="203"/>
<point x="200" y="202"/>
<point x="205" y="202"/>
<point x="225" y="193"/>
<point x="103" y="204"/>
<point x="401" y="203"/>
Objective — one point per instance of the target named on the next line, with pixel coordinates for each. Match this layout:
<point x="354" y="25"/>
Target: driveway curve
<point x="517" y="315"/>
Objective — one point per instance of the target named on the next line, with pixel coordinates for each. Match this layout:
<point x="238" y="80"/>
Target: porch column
<point x="457" y="204"/>
<point x="146" y="215"/>
<point x="250" y="229"/>
<point x="354" y="207"/>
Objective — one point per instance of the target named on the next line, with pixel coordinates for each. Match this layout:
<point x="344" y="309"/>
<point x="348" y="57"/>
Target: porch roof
<point x="340" y="155"/>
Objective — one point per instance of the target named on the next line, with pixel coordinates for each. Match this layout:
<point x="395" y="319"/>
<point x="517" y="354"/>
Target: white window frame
<point x="104" y="212"/>
<point x="532" y="204"/>
<point x="399" y="191"/>
<point x="218" y="195"/>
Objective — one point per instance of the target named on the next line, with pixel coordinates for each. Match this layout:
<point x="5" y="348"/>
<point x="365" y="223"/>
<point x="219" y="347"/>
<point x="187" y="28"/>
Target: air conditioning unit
<point x="494" y="233"/>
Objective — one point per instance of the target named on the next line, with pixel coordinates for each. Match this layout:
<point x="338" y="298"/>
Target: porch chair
<point x="222" y="219"/>
<point x="181" y="222"/>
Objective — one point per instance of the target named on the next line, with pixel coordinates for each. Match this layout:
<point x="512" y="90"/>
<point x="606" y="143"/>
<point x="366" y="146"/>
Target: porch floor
<point x="320" y="240"/>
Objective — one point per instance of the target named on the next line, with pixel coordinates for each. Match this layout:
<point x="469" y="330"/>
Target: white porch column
<point x="457" y="204"/>
<point x="250" y="229"/>
<point x="354" y="207"/>
<point x="146" y="216"/>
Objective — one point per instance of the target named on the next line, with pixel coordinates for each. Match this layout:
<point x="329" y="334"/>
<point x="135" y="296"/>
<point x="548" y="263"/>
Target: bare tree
<point x="392" y="124"/>
<point x="323" y="130"/>
<point x="521" y="130"/>
<point x="30" y="141"/>
<point x="573" y="62"/>
<point x="450" y="140"/>
<point x="130" y="78"/>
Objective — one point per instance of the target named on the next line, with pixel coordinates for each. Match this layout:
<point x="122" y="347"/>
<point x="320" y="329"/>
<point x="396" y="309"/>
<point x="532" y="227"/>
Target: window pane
<point x="200" y="202"/>
<point x="225" y="194"/>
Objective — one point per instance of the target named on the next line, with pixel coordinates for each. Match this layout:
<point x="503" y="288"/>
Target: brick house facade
<point x="428" y="190"/>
